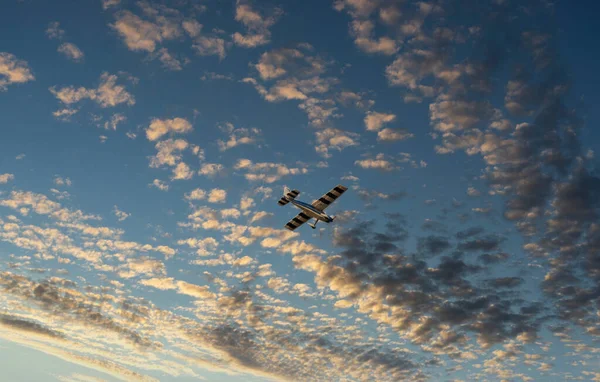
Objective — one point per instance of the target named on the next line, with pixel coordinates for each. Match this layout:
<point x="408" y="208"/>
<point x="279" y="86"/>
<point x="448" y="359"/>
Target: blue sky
<point x="145" y="145"/>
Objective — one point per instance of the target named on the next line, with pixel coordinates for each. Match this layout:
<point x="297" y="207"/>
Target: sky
<point x="145" y="145"/>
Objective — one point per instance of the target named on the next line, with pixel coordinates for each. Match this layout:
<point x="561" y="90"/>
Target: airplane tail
<point x="288" y="195"/>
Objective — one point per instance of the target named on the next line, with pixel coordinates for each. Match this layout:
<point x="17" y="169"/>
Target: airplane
<point x="313" y="210"/>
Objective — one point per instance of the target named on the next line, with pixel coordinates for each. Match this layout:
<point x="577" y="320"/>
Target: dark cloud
<point x="505" y="282"/>
<point x="487" y="243"/>
<point x="473" y="231"/>
<point x="28" y="326"/>
<point x="432" y="245"/>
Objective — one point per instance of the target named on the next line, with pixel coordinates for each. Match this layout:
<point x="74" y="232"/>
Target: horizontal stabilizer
<point x="283" y="201"/>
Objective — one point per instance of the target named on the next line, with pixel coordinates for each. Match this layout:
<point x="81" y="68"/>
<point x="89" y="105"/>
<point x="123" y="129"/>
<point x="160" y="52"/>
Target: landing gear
<point x="313" y="226"/>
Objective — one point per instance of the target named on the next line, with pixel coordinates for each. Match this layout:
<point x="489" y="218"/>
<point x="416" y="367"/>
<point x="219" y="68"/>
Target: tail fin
<point x="288" y="195"/>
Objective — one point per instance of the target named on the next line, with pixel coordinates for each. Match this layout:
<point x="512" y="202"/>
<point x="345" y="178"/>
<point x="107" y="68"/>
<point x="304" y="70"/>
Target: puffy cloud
<point x="108" y="93"/>
<point x="106" y="4"/>
<point x="121" y="215"/>
<point x="210" y="46"/>
<point x="13" y="71"/>
<point x="182" y="172"/>
<point x="64" y="114"/>
<point x="143" y="35"/>
<point x="375" y="121"/>
<point x="210" y="169"/>
<point x="169" y="152"/>
<point x="363" y="32"/>
<point x="197" y="194"/>
<point x="5" y="178"/>
<point x="71" y="51"/>
<point x="160" y="127"/>
<point x="392" y="135"/>
<point x="257" y="25"/>
<point x="217" y="195"/>
<point x="379" y="162"/>
<point x="266" y="171"/>
<point x="237" y="136"/>
<point x="279" y="62"/>
<point x="54" y="31"/>
<point x="337" y="139"/>
<point x="161" y="185"/>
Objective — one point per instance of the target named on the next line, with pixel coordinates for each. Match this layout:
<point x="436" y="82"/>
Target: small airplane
<point x="313" y="210"/>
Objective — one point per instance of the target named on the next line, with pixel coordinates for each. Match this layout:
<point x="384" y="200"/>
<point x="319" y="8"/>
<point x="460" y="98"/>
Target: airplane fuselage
<point x="312" y="211"/>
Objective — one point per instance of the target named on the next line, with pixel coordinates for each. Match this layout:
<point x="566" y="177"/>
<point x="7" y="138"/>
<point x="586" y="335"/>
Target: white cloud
<point x="121" y="215"/>
<point x="169" y="152"/>
<point x="163" y="186"/>
<point x="169" y="62"/>
<point x="197" y="194"/>
<point x="210" y="169"/>
<point x="259" y="216"/>
<point x="54" y="32"/>
<point x="390" y="135"/>
<point x="379" y="163"/>
<point x="266" y="171"/>
<point x="59" y="181"/>
<point x="256" y="24"/>
<point x="363" y="32"/>
<point x="64" y="114"/>
<point x="237" y="136"/>
<point x="160" y="127"/>
<point x="71" y="51"/>
<point x="5" y="178"/>
<point x="182" y="172"/>
<point x="110" y="3"/>
<point x="143" y="35"/>
<point x="337" y="139"/>
<point x="471" y="191"/>
<point x="210" y="46"/>
<point x="13" y="71"/>
<point x="217" y="195"/>
<point x="246" y="203"/>
<point x="108" y="93"/>
<point x="375" y="121"/>
<point x="192" y="27"/>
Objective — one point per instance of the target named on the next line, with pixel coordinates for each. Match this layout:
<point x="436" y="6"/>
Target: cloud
<point x="106" y="4"/>
<point x="266" y="171"/>
<point x="161" y="185"/>
<point x="211" y="169"/>
<point x="217" y="195"/>
<point x="54" y="31"/>
<point x="169" y="152"/>
<point x="392" y="135"/>
<point x="71" y="51"/>
<point x="379" y="163"/>
<point x="182" y="172"/>
<point x="375" y="121"/>
<point x="363" y="32"/>
<point x="237" y="136"/>
<point x="256" y="24"/>
<point x="13" y="71"/>
<point x="160" y="127"/>
<point x="143" y="35"/>
<point x="210" y="46"/>
<point x="121" y="215"/>
<point x="259" y="216"/>
<point x="5" y="178"/>
<point x="197" y="194"/>
<point x="331" y="138"/>
<point x="108" y="93"/>
<point x="279" y="62"/>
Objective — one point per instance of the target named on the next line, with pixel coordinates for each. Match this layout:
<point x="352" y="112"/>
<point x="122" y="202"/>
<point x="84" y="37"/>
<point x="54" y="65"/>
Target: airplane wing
<point x="297" y="221"/>
<point x="329" y="197"/>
